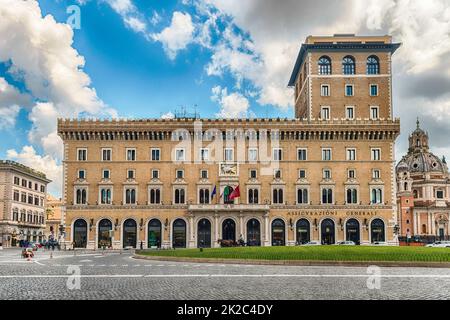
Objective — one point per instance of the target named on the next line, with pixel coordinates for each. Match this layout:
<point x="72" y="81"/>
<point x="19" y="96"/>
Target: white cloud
<point x="45" y="164"/>
<point x="135" y="24"/>
<point x="233" y="105"/>
<point x="11" y="100"/>
<point x="178" y="35"/>
<point x="168" y="115"/>
<point x="40" y="54"/>
<point x="122" y="7"/>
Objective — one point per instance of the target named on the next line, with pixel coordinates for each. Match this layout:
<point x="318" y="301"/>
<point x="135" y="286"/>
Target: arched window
<point x="302" y="196"/>
<point x="348" y="65"/>
<point x="277" y="196"/>
<point x="130" y="196"/>
<point x="303" y="231"/>
<point x="253" y="233"/>
<point x="155" y="196"/>
<point x="154" y="233"/>
<point x="377" y="196"/>
<point x="327" y="196"/>
<point x="104" y="233"/>
<point x="352" y="196"/>
<point x="406" y="186"/>
<point x="204" y="196"/>
<point x="179" y="234"/>
<point x="278" y="232"/>
<point x="352" y="231"/>
<point x="80" y="233"/>
<point x="324" y="65"/>
<point x="229" y="230"/>
<point x="377" y="231"/>
<point x="373" y="65"/>
<point x="105" y="196"/>
<point x="179" y="196"/>
<point x="81" y="196"/>
<point x="129" y="233"/>
<point x="415" y="194"/>
<point x="252" y="196"/>
<point x="204" y="234"/>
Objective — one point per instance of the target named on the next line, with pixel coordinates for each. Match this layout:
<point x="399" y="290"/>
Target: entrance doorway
<point x="204" y="234"/>
<point x="253" y="233"/>
<point x="327" y="232"/>
<point x="352" y="231"/>
<point x="229" y="230"/>
<point x="129" y="233"/>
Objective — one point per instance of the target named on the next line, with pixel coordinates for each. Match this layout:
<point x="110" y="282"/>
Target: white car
<point x="346" y="243"/>
<point x="439" y="244"/>
<point x="312" y="243"/>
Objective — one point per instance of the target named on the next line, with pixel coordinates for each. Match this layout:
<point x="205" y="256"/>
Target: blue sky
<point x="221" y="58"/>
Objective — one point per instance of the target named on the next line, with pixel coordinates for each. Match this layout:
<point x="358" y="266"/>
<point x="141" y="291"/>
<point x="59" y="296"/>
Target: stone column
<point x="241" y="225"/>
<point x="216" y="231"/>
<point x="191" y="232"/>
<point x="266" y="230"/>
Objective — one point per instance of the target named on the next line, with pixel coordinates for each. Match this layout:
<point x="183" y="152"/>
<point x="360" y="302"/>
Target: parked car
<point x="346" y="243"/>
<point x="312" y="243"/>
<point x="439" y="244"/>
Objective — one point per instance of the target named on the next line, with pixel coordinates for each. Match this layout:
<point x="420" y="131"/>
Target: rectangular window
<point x="131" y="154"/>
<point x="180" y="174"/>
<point x="228" y="154"/>
<point x="439" y="194"/>
<point x="30" y="199"/>
<point x="351" y="154"/>
<point x="326" y="154"/>
<point x="325" y="90"/>
<point x="374" y="113"/>
<point x="302" y="154"/>
<point x="42" y="189"/>
<point x="106" y="154"/>
<point x="373" y="90"/>
<point x="30" y="185"/>
<point x="155" y="154"/>
<point x="82" y="154"/>
<point x="326" y="174"/>
<point x="277" y="154"/>
<point x="376" y="174"/>
<point x="36" y="201"/>
<point x="155" y="174"/>
<point x="350" y="113"/>
<point x="106" y="174"/>
<point x="23" y="197"/>
<point x="376" y="154"/>
<point x="16" y="196"/>
<point x="277" y="174"/>
<point x="349" y="90"/>
<point x="325" y="113"/>
<point x="81" y="174"/>
<point x="130" y="174"/>
<point x="36" y="187"/>
<point x="204" y="174"/>
<point x="253" y="174"/>
<point x="180" y="154"/>
<point x="302" y="173"/>
<point x="252" y="154"/>
<point x="16" y="181"/>
<point x="24" y="183"/>
<point x="204" y="154"/>
<point x="351" y="174"/>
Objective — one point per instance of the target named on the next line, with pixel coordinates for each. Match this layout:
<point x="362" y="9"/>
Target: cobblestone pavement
<point x="119" y="276"/>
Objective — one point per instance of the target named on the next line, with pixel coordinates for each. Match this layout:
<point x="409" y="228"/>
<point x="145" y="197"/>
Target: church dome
<point x="419" y="159"/>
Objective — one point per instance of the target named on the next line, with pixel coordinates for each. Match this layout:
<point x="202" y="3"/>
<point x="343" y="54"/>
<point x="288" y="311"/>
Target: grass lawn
<point x="328" y="253"/>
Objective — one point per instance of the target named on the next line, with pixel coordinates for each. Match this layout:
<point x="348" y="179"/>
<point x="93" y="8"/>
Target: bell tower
<point x="418" y="140"/>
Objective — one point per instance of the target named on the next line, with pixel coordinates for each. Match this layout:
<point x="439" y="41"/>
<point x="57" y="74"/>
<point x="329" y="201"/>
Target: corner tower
<point x="344" y="77"/>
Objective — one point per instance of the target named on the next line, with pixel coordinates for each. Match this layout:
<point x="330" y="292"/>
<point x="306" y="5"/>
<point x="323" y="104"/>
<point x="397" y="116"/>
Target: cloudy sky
<point x="222" y="58"/>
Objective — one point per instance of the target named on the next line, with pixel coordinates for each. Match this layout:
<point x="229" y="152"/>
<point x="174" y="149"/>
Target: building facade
<point x="326" y="175"/>
<point x="423" y="191"/>
<point x="53" y="226"/>
<point x="22" y="203"/>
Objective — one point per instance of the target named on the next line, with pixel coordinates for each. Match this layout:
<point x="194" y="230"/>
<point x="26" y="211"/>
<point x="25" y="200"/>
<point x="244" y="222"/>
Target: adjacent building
<point x="22" y="203"/>
<point x="54" y="227"/>
<point x="328" y="174"/>
<point x="423" y="191"/>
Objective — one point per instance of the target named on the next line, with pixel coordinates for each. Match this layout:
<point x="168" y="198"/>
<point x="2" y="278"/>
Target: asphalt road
<point x="118" y="276"/>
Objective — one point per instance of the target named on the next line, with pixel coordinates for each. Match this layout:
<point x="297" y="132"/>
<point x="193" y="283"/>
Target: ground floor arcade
<point x="202" y="226"/>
